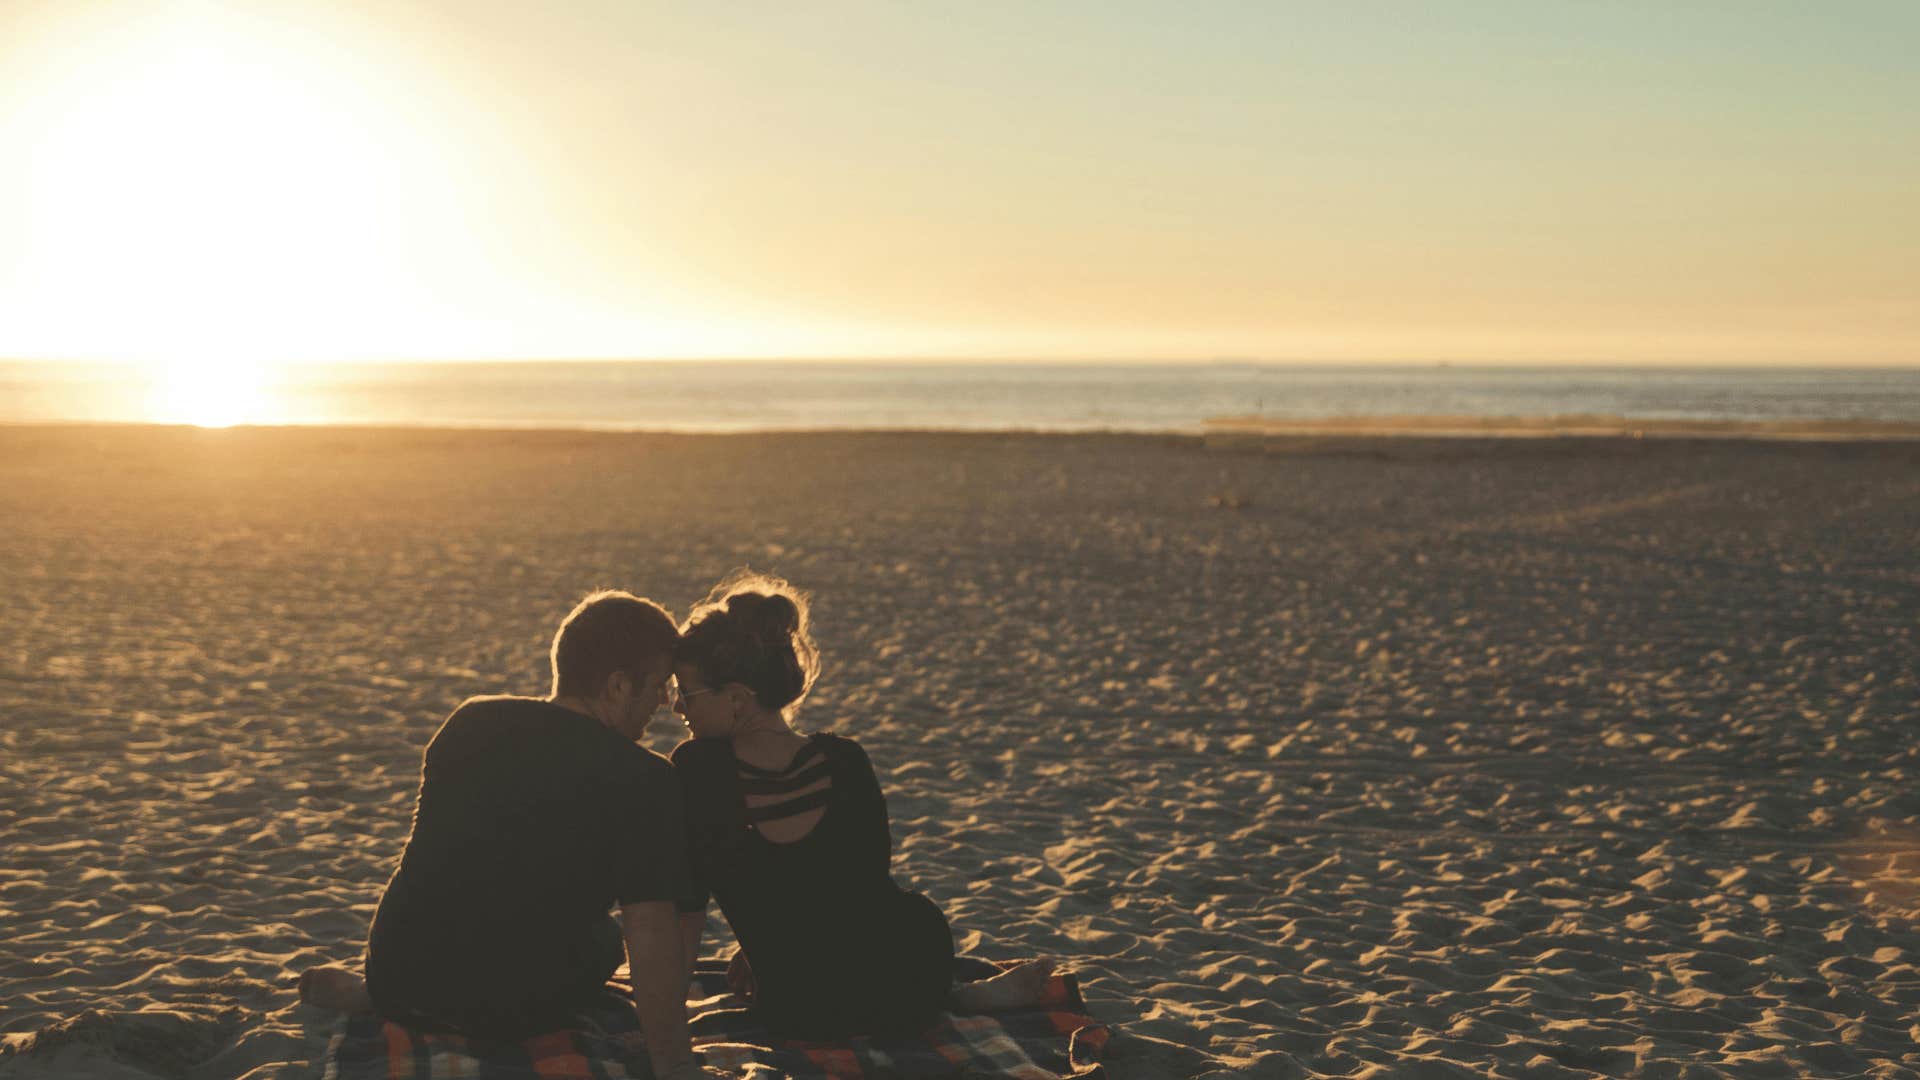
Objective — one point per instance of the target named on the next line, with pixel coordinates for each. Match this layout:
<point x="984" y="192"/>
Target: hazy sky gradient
<point x="1700" y="181"/>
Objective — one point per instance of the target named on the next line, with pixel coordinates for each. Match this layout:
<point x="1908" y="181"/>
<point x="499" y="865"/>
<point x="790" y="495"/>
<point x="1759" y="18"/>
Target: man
<point x="536" y="816"/>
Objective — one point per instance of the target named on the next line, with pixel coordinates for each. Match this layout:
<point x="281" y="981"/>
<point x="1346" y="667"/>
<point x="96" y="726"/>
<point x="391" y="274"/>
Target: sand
<point x="1583" y="758"/>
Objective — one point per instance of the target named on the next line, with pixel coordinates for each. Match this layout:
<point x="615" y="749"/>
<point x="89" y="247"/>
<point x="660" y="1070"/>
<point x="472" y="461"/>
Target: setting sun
<point x="211" y="192"/>
<point x="211" y="393"/>
<point x="200" y="188"/>
<point x="176" y="170"/>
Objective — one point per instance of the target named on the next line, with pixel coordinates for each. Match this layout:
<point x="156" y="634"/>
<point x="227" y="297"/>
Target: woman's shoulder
<point x="832" y="742"/>
<point x="700" y="754"/>
<point x="842" y="751"/>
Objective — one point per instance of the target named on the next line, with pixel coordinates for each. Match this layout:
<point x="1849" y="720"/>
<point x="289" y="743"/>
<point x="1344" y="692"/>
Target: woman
<point x="788" y="832"/>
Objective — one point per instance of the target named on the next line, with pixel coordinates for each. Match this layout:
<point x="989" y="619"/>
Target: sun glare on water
<point x="211" y="393"/>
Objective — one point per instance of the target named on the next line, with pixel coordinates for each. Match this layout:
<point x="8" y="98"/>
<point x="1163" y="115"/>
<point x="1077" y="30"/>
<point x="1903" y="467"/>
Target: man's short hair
<point x="609" y="631"/>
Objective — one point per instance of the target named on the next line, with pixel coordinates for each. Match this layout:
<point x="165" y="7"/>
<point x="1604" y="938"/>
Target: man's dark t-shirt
<point x="532" y="822"/>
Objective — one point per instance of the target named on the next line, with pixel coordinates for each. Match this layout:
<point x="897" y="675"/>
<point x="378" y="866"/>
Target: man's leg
<point x="604" y="953"/>
<point x="578" y="987"/>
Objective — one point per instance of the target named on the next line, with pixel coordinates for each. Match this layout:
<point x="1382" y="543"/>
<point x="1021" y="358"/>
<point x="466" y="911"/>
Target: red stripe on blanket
<point x="1066" y="1023"/>
<point x="1057" y="1039"/>
<point x="555" y="1055"/>
<point x="835" y="1061"/>
<point x="1085" y="1046"/>
<point x="399" y="1053"/>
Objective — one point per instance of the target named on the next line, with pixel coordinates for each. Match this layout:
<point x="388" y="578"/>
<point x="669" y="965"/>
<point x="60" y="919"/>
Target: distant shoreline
<point x="1192" y="400"/>
<point x="1581" y="426"/>
<point x="1215" y="431"/>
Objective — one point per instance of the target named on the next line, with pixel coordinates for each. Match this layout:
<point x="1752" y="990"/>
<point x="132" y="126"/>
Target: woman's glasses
<point x="684" y="696"/>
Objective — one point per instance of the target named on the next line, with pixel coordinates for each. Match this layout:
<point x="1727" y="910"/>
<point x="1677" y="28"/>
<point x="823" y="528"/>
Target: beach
<point x="1343" y="756"/>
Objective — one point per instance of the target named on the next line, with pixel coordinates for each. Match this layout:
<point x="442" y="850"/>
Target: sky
<point x="1479" y="180"/>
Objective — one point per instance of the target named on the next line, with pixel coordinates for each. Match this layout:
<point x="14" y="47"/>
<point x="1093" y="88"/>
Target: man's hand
<point x="740" y="974"/>
<point x="652" y="930"/>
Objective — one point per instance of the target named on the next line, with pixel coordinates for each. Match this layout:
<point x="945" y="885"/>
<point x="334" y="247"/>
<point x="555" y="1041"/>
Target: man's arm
<point x="692" y="925"/>
<point x="659" y="981"/>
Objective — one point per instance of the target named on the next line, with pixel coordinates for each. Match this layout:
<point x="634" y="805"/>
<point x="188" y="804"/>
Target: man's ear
<point x="619" y="684"/>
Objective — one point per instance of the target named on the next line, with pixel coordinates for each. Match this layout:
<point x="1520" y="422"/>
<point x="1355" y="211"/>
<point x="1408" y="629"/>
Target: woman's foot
<point x="335" y="988"/>
<point x="1014" y="988"/>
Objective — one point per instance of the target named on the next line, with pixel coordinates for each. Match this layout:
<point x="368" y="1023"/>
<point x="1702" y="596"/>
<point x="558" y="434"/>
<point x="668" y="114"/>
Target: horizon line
<point x="1078" y="360"/>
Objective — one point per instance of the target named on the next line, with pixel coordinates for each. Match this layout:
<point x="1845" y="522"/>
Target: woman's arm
<point x="869" y="806"/>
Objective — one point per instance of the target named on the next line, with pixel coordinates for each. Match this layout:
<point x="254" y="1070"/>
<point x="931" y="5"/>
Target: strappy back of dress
<point x="785" y="805"/>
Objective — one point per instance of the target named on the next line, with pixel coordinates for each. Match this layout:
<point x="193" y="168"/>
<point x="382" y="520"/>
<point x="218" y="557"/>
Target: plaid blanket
<point x="1054" y="1040"/>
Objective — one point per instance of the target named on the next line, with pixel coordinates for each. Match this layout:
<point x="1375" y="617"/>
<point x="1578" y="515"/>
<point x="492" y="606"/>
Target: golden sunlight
<point x="211" y="394"/>
<point x="290" y="185"/>
<point x="206" y="182"/>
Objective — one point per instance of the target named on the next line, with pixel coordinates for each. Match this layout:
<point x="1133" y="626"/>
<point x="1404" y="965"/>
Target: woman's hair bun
<point x="752" y="629"/>
<point x="765" y="616"/>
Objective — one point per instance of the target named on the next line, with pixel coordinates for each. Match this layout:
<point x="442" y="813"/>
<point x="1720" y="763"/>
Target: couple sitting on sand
<point x="537" y="816"/>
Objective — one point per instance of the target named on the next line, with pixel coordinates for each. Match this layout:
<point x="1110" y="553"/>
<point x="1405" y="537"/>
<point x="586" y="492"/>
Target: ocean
<point x="719" y="396"/>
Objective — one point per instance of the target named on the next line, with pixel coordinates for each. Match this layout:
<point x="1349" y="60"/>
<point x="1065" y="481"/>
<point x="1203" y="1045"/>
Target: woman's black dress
<point x="837" y="948"/>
